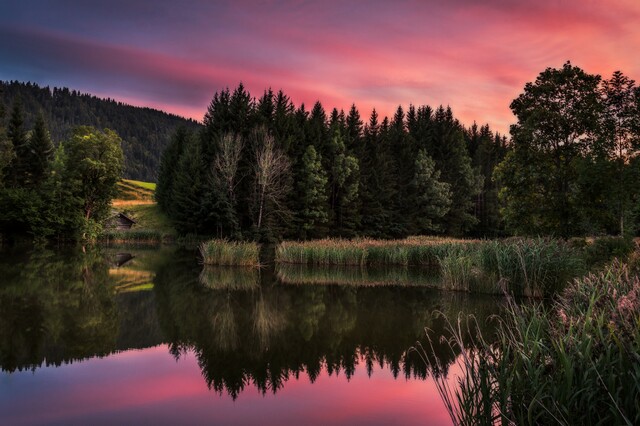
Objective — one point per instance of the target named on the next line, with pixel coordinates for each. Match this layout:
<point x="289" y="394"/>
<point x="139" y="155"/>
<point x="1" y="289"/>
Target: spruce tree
<point x="19" y="172"/>
<point x="41" y="152"/>
<point x="188" y="190"/>
<point x="168" y="168"/>
<point x="311" y="188"/>
<point x="344" y="184"/>
<point x="7" y="153"/>
<point x="432" y="197"/>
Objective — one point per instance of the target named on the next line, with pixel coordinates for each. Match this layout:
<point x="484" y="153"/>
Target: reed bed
<point x="524" y="267"/>
<point x="230" y="253"/>
<point x="575" y="362"/>
<point x="536" y="267"/>
<point x="423" y="251"/>
<point x="356" y="276"/>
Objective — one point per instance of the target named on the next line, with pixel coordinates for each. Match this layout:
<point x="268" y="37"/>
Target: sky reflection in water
<point x="83" y="341"/>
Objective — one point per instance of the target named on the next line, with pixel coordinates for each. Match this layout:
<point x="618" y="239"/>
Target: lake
<point x="147" y="335"/>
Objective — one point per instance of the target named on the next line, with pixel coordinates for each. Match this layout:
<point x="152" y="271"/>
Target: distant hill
<point x="145" y="131"/>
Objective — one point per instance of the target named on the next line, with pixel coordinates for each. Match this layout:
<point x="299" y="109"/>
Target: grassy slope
<point x="136" y="200"/>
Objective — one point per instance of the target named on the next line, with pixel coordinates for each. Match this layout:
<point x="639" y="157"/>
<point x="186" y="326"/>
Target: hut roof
<point x="125" y="217"/>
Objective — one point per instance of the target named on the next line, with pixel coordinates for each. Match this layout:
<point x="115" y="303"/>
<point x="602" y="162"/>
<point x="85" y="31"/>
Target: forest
<point x="263" y="168"/>
<point x="145" y="132"/>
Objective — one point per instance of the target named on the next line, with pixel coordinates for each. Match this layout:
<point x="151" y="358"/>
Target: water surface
<point x="135" y="335"/>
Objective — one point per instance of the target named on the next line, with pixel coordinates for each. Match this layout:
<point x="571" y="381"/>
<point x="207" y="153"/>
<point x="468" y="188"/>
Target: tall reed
<point x="575" y="362"/>
<point x="410" y="251"/>
<point x="230" y="253"/>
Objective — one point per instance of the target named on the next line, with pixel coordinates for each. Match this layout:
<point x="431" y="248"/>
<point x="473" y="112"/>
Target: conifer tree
<point x="188" y="190"/>
<point x="19" y="172"/>
<point x="41" y="152"/>
<point x="311" y="188"/>
<point x="7" y="153"/>
<point x="344" y="184"/>
<point x="168" y="168"/>
<point x="432" y="197"/>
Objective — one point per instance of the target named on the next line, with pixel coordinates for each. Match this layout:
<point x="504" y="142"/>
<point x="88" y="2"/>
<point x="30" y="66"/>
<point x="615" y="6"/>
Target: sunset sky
<point x="473" y="55"/>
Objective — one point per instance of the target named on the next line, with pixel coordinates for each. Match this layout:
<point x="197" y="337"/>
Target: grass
<point x="152" y="225"/>
<point x="133" y="190"/>
<point x="146" y="185"/>
<point x="230" y="253"/>
<point x="575" y="362"/>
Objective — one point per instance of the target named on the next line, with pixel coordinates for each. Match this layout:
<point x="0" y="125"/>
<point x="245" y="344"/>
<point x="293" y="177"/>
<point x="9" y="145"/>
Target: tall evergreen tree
<point x="189" y="190"/>
<point x="168" y="168"/>
<point x="432" y="199"/>
<point x="343" y="188"/>
<point x="311" y="188"/>
<point x="7" y="153"/>
<point x="19" y="171"/>
<point x="41" y="152"/>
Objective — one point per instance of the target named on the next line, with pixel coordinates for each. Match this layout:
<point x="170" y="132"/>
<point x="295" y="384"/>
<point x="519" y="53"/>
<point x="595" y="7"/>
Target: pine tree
<point x="41" y="152"/>
<point x="311" y="188"/>
<point x="168" y="168"/>
<point x="432" y="197"/>
<point x="188" y="190"/>
<point x="19" y="172"/>
<point x="344" y="184"/>
<point x="7" y="153"/>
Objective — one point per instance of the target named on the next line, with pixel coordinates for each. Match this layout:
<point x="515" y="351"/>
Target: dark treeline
<point x="264" y="168"/>
<point x="145" y="131"/>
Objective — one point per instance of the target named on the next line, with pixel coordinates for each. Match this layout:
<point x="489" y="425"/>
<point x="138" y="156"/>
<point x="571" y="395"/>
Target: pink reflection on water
<point x="150" y="386"/>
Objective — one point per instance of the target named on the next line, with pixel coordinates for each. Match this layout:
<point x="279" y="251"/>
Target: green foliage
<point x="41" y="152"/>
<point x="573" y="170"/>
<point x="94" y="163"/>
<point x="603" y="249"/>
<point x="313" y="214"/>
<point x="64" y="195"/>
<point x="169" y="166"/>
<point x="344" y="185"/>
<point x="433" y="198"/>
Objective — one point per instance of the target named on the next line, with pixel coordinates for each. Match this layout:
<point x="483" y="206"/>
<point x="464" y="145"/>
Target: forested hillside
<point x="145" y="132"/>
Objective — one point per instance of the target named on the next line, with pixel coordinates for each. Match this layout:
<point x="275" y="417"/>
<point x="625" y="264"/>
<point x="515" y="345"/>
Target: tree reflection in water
<point x="269" y="333"/>
<point x="246" y="327"/>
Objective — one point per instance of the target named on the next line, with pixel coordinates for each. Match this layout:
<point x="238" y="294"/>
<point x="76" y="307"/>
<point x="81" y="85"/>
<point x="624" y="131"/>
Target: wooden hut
<point x="122" y="222"/>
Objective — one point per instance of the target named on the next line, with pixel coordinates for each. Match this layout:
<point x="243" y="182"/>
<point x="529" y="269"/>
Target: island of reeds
<point x="230" y="253"/>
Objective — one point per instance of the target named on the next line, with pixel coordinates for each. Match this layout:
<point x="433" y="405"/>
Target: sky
<point x="473" y="55"/>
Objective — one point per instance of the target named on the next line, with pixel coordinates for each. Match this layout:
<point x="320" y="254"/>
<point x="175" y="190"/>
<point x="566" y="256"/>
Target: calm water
<point x="121" y="336"/>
